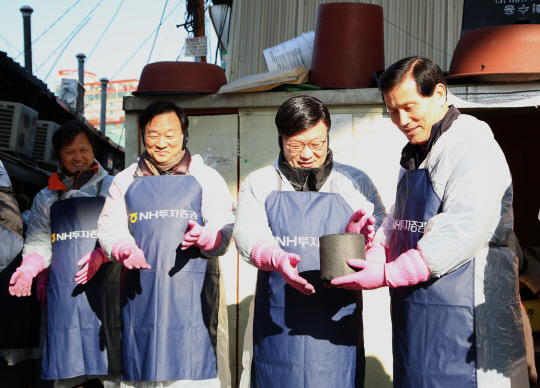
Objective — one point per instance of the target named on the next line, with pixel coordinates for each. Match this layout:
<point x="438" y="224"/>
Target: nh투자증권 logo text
<point x="175" y="213"/>
<point x="55" y="237"/>
<point x="294" y="241"/>
<point x="409" y="225"/>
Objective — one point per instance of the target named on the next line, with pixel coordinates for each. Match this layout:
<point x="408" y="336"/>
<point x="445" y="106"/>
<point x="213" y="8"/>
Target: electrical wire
<point x="35" y="64"/>
<point x="181" y="51"/>
<point x="208" y="40"/>
<point x="61" y="44"/>
<point x="9" y="45"/>
<point x="27" y="163"/>
<point x="169" y="33"/>
<point x="51" y="26"/>
<point x="224" y="11"/>
<point x="415" y="37"/>
<point x="106" y="28"/>
<point x="142" y="44"/>
<point x="159" y="26"/>
<point x="67" y="44"/>
<point x="68" y="37"/>
<point x="192" y="9"/>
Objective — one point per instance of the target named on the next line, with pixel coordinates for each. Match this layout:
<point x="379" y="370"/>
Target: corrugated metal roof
<point x="430" y="28"/>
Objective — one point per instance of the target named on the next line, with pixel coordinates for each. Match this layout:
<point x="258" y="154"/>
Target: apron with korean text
<point x="169" y="312"/>
<point x="83" y="320"/>
<point x="306" y="340"/>
<point x="433" y="323"/>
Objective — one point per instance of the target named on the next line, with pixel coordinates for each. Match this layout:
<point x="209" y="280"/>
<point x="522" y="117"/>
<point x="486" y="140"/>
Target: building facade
<point x="116" y="91"/>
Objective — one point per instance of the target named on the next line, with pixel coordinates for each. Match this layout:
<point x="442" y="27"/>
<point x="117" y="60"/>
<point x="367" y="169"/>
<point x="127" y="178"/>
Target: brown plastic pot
<point x="497" y="54"/>
<point x="349" y="45"/>
<point x="180" y="78"/>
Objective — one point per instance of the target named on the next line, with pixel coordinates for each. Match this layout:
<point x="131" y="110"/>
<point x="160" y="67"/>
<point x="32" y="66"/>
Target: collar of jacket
<point x="60" y="181"/>
<point x="412" y="155"/>
<point x="180" y="169"/>
<point x="306" y="179"/>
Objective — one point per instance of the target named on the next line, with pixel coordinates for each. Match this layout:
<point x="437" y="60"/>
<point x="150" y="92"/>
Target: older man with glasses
<point x="302" y="334"/>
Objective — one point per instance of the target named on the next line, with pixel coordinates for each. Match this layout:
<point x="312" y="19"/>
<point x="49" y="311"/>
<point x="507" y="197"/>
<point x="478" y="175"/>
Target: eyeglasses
<point x="298" y="146"/>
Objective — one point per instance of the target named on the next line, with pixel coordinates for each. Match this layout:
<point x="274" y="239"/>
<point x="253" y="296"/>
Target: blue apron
<point x="300" y="340"/>
<point x="83" y="321"/>
<point x="434" y="342"/>
<point x="169" y="312"/>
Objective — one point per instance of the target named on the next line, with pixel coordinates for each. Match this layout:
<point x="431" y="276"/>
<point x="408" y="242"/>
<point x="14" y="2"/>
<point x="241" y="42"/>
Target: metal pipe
<point x="27" y="30"/>
<point x="103" y="119"/>
<point x="80" y="96"/>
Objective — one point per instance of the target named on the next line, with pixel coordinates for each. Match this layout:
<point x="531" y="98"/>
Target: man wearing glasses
<point x="302" y="334"/>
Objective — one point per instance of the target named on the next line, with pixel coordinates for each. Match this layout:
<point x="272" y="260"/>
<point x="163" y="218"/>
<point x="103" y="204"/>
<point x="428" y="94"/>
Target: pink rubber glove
<point x="21" y="280"/>
<point x="268" y="256"/>
<point x="361" y="224"/>
<point x="206" y="238"/>
<point x="376" y="253"/>
<point x="130" y="255"/>
<point x="408" y="269"/>
<point x="91" y="261"/>
<point x="42" y="279"/>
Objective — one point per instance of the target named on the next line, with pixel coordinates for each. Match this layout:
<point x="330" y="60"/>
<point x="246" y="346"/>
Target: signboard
<point x="196" y="47"/>
<point x="486" y="13"/>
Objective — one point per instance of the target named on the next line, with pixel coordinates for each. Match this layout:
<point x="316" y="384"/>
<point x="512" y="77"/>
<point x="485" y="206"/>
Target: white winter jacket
<point x="252" y="224"/>
<point x="218" y="210"/>
<point x="217" y="207"/>
<point x="470" y="175"/>
<point x="38" y="235"/>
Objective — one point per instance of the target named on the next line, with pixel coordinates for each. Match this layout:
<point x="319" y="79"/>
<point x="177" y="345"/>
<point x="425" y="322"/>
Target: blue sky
<point x="79" y="30"/>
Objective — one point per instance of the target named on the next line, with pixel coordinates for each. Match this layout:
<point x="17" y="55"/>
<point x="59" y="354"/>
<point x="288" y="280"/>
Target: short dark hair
<point x="300" y="113"/>
<point x="67" y="132"/>
<point x="426" y="73"/>
<point x="161" y="107"/>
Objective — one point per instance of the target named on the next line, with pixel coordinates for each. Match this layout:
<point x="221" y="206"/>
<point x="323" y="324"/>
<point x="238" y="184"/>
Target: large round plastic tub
<point x="180" y="78"/>
<point x="497" y="54"/>
<point x="349" y="45"/>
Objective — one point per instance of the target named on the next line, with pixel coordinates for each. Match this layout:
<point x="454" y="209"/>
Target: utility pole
<point x="198" y="28"/>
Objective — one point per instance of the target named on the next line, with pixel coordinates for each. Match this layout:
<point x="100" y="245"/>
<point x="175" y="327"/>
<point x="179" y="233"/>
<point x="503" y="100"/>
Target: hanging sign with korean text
<point x="196" y="47"/>
<point x="486" y="13"/>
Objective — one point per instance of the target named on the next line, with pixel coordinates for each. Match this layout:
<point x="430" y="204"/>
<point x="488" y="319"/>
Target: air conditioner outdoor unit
<point x="72" y="93"/>
<point x="17" y="128"/>
<point x="43" y="147"/>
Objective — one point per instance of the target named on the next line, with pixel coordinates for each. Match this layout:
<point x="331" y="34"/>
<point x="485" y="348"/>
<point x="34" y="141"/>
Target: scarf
<point x="178" y="165"/>
<point x="306" y="179"/>
<point x="413" y="155"/>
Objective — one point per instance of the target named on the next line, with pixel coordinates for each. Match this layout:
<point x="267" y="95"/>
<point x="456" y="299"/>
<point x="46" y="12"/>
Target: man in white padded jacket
<point x="443" y="248"/>
<point x="83" y="337"/>
<point x="167" y="219"/>
<point x="300" y="333"/>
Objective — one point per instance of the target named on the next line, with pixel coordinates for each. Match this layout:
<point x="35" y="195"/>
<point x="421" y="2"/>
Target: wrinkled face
<point x="77" y="156"/>
<point x="414" y="114"/>
<point x="163" y="137"/>
<point x="307" y="157"/>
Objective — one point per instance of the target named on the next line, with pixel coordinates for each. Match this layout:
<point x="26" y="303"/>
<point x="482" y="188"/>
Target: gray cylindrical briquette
<point x="335" y="249"/>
